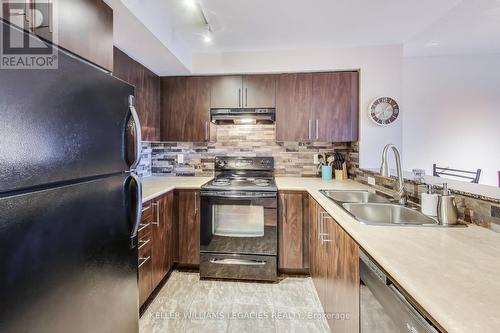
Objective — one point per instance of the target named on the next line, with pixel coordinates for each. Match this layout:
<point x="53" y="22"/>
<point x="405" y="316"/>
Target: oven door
<point x="239" y="223"/>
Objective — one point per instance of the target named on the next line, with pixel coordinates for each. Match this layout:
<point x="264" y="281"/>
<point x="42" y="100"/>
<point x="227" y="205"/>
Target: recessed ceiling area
<point x="425" y="27"/>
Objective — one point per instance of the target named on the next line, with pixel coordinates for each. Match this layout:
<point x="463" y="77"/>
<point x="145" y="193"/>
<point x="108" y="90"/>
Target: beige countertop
<point x="156" y="186"/>
<point x="453" y="273"/>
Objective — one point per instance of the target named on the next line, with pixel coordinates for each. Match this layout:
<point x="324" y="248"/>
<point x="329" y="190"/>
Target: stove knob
<point x="221" y="164"/>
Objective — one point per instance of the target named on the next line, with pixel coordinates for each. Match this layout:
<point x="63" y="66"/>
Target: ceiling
<point x="424" y="27"/>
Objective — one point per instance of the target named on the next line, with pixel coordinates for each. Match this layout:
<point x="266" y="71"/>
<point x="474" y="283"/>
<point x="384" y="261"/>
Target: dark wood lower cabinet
<point x="162" y="236"/>
<point x="293" y="231"/>
<point x="188" y="225"/>
<point x="334" y="270"/>
<point x="155" y="239"/>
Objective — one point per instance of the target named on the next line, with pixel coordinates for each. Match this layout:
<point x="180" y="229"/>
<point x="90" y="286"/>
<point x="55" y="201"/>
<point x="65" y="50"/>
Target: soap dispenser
<point x="429" y="201"/>
<point x="447" y="207"/>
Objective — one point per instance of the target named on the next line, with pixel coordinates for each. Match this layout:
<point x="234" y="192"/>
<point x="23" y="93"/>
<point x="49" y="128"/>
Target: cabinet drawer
<point x="144" y="231"/>
<point x="144" y="246"/>
<point x="147" y="213"/>
<point x="145" y="275"/>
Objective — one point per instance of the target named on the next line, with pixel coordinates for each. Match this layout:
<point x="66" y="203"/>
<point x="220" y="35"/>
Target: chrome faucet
<point x="401" y="195"/>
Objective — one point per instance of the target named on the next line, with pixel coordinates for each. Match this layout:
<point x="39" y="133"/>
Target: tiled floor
<point x="186" y="304"/>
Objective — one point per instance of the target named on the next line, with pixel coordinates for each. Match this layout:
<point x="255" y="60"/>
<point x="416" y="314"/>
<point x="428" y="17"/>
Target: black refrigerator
<point x="70" y="202"/>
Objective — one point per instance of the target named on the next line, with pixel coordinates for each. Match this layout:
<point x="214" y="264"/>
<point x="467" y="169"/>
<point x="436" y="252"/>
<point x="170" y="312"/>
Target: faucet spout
<point x="401" y="195"/>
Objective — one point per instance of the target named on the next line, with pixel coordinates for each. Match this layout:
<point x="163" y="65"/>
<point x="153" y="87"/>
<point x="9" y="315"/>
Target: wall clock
<point x="384" y="111"/>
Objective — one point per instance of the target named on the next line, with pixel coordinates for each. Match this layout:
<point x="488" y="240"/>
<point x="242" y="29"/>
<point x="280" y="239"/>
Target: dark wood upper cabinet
<point x="293" y="231"/>
<point x="259" y="91"/>
<point x="335" y="106"/>
<point x="188" y="227"/>
<point x="185" y="108"/>
<point x="147" y="92"/>
<point x="226" y="92"/>
<point x="248" y="91"/>
<point x="293" y="107"/>
<point x="83" y="27"/>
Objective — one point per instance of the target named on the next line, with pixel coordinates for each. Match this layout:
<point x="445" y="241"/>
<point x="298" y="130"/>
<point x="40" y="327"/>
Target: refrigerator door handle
<point x="138" y="215"/>
<point x="138" y="134"/>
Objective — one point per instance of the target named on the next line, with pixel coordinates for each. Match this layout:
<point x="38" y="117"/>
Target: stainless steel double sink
<point x="376" y="209"/>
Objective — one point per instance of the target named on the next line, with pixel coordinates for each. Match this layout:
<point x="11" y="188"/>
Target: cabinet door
<point x="162" y="235"/>
<point x="291" y="231"/>
<point x="293" y="107"/>
<point x="188" y="227"/>
<point x="259" y="91"/>
<point x="226" y="92"/>
<point x="83" y="27"/>
<point x="197" y="106"/>
<point x="342" y="288"/>
<point x="322" y="257"/>
<point x="147" y="92"/>
<point x="86" y="28"/>
<point x="316" y="251"/>
<point x="173" y="117"/>
<point x="335" y="106"/>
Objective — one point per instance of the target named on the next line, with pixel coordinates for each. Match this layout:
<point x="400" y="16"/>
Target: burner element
<point x="221" y="182"/>
<point x="262" y="182"/>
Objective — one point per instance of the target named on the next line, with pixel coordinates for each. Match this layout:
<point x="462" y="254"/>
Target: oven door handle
<point x="246" y="262"/>
<point x="239" y="195"/>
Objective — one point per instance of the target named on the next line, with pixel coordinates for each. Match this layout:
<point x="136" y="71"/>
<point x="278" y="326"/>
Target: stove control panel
<point x="244" y="163"/>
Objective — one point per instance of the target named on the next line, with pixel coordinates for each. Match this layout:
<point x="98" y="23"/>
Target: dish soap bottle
<point x="447" y="207"/>
<point x="429" y="202"/>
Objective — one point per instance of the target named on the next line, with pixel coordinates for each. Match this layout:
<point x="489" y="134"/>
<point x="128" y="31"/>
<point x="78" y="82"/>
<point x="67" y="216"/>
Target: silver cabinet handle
<point x="144" y="260"/>
<point x="239" y="97"/>
<point x="317" y="129"/>
<point x="157" y="223"/>
<point x="51" y="16"/>
<point x="138" y="134"/>
<point x="142" y="227"/>
<point x="26" y="17"/>
<point x="318" y="224"/>
<point x="285" y="209"/>
<point x="195" y="203"/>
<point x="246" y="97"/>
<point x="146" y="209"/>
<point x="143" y="243"/>
<point x="237" y="262"/>
<point x="309" y="129"/>
<point x="207" y="131"/>
<point x="324" y="216"/>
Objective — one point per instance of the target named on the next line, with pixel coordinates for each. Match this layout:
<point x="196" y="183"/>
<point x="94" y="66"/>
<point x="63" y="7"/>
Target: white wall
<point x="451" y="113"/>
<point x="380" y="76"/>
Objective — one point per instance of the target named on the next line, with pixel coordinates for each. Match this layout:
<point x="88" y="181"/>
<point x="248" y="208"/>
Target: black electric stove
<point x="238" y="231"/>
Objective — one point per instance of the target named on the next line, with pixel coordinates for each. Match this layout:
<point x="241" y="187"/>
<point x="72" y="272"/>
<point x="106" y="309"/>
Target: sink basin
<point x="388" y="214"/>
<point x="356" y="196"/>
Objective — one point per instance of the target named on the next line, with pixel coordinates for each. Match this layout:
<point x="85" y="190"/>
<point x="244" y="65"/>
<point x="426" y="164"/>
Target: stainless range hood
<point x="243" y="116"/>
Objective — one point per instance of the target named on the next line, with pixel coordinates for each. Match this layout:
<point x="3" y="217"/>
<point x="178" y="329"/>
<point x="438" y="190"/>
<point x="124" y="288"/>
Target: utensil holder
<point x="326" y="172"/>
<point x="339" y="175"/>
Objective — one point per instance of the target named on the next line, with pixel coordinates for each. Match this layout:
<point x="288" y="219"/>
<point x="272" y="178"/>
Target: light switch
<point x="316" y="159"/>
<point x="180" y="158"/>
<point x="371" y="180"/>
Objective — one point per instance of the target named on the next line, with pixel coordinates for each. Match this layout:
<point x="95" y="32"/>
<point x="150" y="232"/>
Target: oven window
<point x="238" y="221"/>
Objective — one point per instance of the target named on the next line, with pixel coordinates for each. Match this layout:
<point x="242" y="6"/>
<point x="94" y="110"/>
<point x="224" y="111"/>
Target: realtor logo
<point x="21" y="50"/>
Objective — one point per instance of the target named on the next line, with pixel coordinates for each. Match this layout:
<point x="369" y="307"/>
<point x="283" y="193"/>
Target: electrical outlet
<point x="371" y="180"/>
<point x="316" y="159"/>
<point x="180" y="158"/>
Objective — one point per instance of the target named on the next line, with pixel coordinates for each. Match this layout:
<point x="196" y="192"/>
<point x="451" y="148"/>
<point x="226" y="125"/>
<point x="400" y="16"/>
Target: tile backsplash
<point x="291" y="158"/>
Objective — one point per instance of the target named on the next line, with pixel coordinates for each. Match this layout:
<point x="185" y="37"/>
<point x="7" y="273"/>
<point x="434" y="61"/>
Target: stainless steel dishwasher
<point x="383" y="309"/>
